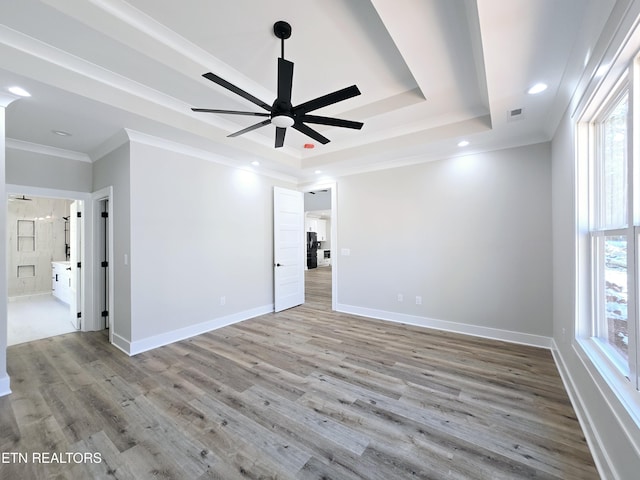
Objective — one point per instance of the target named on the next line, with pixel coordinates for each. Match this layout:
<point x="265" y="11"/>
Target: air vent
<point x="515" y="114"/>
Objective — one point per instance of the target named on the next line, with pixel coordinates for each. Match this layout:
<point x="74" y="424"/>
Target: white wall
<point x="200" y="231"/>
<point x="320" y="200"/>
<point x="47" y="171"/>
<point x="470" y="235"/>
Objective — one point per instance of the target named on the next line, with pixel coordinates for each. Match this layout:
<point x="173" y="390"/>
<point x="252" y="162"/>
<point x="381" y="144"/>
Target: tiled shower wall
<point x="35" y="238"/>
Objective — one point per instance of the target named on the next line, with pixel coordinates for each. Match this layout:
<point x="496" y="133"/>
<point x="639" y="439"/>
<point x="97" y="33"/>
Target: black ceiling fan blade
<point x="285" y="80"/>
<point x="280" y="133"/>
<point x="238" y="91"/>
<point x="310" y="132"/>
<point x="231" y="112"/>
<point x="252" y="127"/>
<point x="334" y="122"/>
<point x="329" y="99"/>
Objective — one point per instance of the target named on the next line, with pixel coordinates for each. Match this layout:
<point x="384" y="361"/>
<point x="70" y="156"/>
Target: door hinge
<point x="79" y="214"/>
<point x="105" y="214"/>
<point x="105" y="313"/>
<point x="104" y="264"/>
<point x="79" y="315"/>
<point x="79" y="264"/>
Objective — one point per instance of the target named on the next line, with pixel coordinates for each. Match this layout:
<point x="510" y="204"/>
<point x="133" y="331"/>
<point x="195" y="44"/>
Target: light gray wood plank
<point x="304" y="393"/>
<point x="278" y="448"/>
<point x="311" y="420"/>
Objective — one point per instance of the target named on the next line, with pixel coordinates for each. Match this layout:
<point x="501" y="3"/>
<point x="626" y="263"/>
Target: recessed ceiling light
<point x="602" y="69"/>
<point x="318" y="172"/>
<point x="537" y="88"/>
<point x="21" y="92"/>
<point x="255" y="163"/>
<point x="61" y="133"/>
<point x="463" y="143"/>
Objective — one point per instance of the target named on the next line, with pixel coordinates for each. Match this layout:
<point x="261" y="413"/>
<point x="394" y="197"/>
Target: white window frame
<point x="612" y="369"/>
<point x="598" y="232"/>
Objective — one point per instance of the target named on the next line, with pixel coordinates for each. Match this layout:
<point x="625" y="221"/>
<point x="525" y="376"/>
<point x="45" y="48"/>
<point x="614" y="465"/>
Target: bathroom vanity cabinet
<point x="61" y="281"/>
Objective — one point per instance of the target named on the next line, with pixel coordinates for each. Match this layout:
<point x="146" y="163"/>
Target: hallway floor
<point x="35" y="317"/>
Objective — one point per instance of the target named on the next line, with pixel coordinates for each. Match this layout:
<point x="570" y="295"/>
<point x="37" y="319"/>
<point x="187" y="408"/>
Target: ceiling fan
<point x="281" y="113"/>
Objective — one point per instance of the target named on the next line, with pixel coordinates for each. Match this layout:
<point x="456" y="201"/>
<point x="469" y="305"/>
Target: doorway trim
<point x="97" y="198"/>
<point x="333" y="186"/>
<point x="86" y="295"/>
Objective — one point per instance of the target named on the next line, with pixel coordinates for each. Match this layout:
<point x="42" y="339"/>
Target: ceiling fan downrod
<point x="282" y="30"/>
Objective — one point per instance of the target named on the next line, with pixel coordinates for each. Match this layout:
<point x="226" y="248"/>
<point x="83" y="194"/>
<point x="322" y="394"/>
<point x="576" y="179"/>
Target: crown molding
<point x="7" y="98"/>
<point x="109" y="145"/>
<point x="102" y="79"/>
<point x="14" y="144"/>
<point x="182" y="149"/>
<point x="152" y="38"/>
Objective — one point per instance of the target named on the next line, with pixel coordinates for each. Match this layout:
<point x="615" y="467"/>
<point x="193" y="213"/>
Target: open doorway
<point x="103" y="255"/>
<point x="44" y="248"/>
<point x="103" y="284"/>
<point x="320" y="237"/>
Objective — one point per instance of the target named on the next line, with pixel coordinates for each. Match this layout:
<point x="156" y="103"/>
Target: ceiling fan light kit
<point x="282" y="113"/>
<point x="282" y="121"/>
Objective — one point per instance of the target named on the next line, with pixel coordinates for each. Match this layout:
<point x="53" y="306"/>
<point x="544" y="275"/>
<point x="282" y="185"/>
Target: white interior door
<point x="74" y="258"/>
<point x="288" y="241"/>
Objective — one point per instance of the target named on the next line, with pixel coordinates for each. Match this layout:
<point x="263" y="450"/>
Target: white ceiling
<point x="431" y="72"/>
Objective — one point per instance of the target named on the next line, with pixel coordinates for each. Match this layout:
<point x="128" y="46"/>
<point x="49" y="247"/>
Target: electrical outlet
<point x="223" y="300"/>
<point x="418" y="300"/>
<point x="400" y="297"/>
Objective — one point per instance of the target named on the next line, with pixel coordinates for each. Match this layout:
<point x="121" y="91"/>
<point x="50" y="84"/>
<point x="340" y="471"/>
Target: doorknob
<point x="278" y="265"/>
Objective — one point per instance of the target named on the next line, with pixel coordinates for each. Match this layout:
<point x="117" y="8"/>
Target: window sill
<point x="609" y="378"/>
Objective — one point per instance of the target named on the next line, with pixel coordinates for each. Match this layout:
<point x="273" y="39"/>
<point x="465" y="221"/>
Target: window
<point x="610" y="228"/>
<point x="608" y="148"/>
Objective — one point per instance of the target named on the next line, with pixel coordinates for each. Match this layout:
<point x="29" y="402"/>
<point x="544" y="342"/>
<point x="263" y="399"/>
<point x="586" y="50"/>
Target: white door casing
<point x="288" y="248"/>
<point x="103" y="255"/>
<point x="75" y="256"/>
<point x="101" y="199"/>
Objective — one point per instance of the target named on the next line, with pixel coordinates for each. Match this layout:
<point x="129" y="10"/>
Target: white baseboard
<point x="593" y="439"/>
<point x="139" y="346"/>
<point x="121" y="343"/>
<point x="5" y="385"/>
<point x="474" y="330"/>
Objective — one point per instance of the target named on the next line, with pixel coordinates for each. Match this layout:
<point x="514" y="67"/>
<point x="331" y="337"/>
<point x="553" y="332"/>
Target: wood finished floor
<point x="305" y="393"/>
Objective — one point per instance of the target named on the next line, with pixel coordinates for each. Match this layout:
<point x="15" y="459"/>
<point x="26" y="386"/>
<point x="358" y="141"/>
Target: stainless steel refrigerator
<point x="312" y="250"/>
